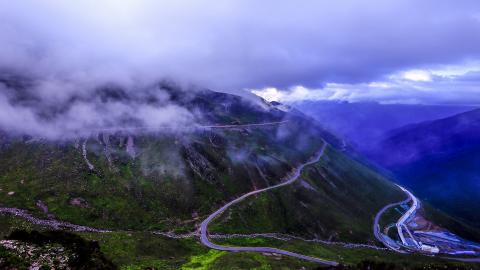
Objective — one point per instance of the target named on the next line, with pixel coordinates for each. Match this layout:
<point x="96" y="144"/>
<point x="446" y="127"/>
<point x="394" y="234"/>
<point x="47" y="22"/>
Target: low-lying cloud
<point x="108" y="109"/>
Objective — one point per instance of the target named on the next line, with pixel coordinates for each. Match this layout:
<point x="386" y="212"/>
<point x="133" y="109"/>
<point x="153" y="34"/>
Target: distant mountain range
<point x="439" y="159"/>
<point x="153" y="187"/>
<point x="434" y="150"/>
<point x="363" y="124"/>
<point x="413" y="142"/>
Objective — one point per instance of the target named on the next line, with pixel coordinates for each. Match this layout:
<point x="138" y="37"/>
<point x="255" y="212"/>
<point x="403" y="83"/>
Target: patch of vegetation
<point x="139" y="251"/>
<point x="203" y="261"/>
<point x="144" y="251"/>
<point x="136" y="250"/>
<point x="10" y="260"/>
<point x="391" y="215"/>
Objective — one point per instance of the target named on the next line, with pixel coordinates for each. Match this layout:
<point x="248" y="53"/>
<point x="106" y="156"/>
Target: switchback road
<point x="401" y="222"/>
<point x="289" y="180"/>
<point x="376" y="226"/>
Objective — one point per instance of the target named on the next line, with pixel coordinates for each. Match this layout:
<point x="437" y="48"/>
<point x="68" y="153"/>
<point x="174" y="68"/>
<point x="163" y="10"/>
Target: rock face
<point x="84" y="154"/>
<point x="131" y="147"/>
<point x="51" y="250"/>
<point x="199" y="164"/>
<point x="53" y="257"/>
<point x="42" y="206"/>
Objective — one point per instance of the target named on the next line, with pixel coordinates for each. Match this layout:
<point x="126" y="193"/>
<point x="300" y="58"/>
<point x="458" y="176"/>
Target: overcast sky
<point x="403" y="51"/>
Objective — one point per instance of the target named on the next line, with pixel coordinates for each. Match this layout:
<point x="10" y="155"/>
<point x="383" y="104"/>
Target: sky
<point x="390" y="51"/>
<point x="443" y="85"/>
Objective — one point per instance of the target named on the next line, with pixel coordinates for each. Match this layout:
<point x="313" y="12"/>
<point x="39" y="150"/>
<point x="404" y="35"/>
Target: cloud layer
<point x="449" y="85"/>
<point x="236" y="43"/>
<point x="107" y="109"/>
<point x="67" y="50"/>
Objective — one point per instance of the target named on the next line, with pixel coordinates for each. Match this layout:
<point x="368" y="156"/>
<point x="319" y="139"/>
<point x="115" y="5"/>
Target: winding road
<point x="221" y="126"/>
<point x="246" y="125"/>
<point x="291" y="178"/>
<point x="401" y="222"/>
<point x="376" y="226"/>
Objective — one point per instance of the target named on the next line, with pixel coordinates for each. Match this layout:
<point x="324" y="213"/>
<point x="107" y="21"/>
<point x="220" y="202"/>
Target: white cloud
<point x="443" y="85"/>
<point x="449" y="71"/>
<point x="269" y="93"/>
<point x="417" y="75"/>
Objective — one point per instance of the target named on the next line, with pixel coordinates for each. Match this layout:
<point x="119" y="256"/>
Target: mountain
<point x="141" y="180"/>
<point x="413" y="142"/>
<point x="137" y="195"/>
<point x="439" y="159"/>
<point x="363" y="124"/>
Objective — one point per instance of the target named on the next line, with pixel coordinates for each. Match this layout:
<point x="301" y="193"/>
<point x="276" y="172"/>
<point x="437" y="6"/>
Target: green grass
<point x="203" y="261"/>
<point x="391" y="215"/>
<point x="158" y="190"/>
<point x="139" y="251"/>
<point x="136" y="250"/>
<point x="351" y="257"/>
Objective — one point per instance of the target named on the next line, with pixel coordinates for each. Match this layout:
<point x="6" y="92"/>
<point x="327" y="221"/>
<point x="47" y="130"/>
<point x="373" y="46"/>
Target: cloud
<point x="104" y="110"/>
<point x="450" y="85"/>
<point x="417" y="75"/>
<point x="236" y="43"/>
<point x="67" y="50"/>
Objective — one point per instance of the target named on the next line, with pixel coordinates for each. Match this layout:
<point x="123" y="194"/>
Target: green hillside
<point x="159" y="180"/>
<point x="335" y="199"/>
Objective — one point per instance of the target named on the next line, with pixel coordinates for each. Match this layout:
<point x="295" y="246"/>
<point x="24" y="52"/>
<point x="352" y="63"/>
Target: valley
<point x="239" y="135"/>
<point x="277" y="187"/>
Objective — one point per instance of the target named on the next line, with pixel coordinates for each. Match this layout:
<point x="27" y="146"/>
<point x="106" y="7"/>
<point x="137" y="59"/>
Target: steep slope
<point x="335" y="199"/>
<point x="413" y="142"/>
<point x="154" y="178"/>
<point x="153" y="185"/>
<point x="439" y="160"/>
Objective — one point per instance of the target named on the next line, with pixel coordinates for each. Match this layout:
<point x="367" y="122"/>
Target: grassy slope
<point x="157" y="190"/>
<point x="337" y="200"/>
<point x="136" y="250"/>
<point x="353" y="257"/>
